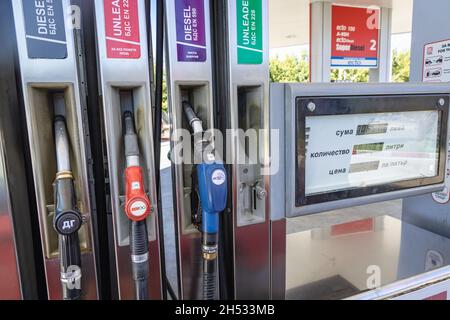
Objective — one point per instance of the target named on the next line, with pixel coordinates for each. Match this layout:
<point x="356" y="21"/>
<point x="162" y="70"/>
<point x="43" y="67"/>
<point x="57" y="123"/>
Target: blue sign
<point x="45" y="29"/>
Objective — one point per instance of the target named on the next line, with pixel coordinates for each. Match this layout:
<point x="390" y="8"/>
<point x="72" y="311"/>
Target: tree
<point x="400" y="66"/>
<point x="290" y="69"/>
<point x="350" y="75"/>
<point x="295" y="69"/>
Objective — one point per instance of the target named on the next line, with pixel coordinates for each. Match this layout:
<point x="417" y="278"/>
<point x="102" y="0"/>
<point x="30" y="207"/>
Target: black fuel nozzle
<point x="67" y="219"/>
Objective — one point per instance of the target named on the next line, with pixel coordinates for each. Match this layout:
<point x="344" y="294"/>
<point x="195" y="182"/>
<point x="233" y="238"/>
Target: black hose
<point x="139" y="258"/>
<point x="170" y="290"/>
<point x="209" y="245"/>
<point x="222" y="121"/>
<point x="69" y="246"/>
<point x="70" y="260"/>
<point x="159" y="79"/>
<point x="209" y="280"/>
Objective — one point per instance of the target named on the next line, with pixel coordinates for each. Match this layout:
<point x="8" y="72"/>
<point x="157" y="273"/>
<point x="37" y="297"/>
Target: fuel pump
<point x="190" y="79"/>
<point x="53" y="93"/>
<point x="241" y="90"/>
<point x="212" y="192"/>
<point x="126" y="93"/>
<point x="67" y="220"/>
<point x="137" y="209"/>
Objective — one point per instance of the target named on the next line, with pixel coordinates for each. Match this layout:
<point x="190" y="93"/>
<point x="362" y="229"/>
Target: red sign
<point x="122" y="29"/>
<point x="440" y="297"/>
<point x="355" y="35"/>
<point x="353" y="227"/>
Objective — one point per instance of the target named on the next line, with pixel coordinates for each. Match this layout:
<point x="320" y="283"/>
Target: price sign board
<point x="355" y="37"/>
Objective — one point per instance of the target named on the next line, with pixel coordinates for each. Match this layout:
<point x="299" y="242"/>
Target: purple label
<point x="191" y="39"/>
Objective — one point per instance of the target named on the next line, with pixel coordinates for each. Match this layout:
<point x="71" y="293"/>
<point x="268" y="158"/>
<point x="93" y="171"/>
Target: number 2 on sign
<point x="373" y="47"/>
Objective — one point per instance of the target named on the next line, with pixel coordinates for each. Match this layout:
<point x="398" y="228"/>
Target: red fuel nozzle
<point x="137" y="204"/>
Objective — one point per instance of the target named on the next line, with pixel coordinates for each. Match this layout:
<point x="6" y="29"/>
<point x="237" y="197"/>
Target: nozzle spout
<point x="192" y="118"/>
<point x="62" y="145"/>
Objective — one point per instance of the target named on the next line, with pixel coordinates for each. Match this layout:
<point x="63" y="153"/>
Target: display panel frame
<point x="365" y="104"/>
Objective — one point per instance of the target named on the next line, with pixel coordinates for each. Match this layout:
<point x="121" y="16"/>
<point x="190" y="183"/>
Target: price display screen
<point x="351" y="151"/>
<point x="356" y="154"/>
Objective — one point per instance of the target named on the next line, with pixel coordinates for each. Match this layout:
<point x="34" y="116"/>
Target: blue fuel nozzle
<point x="212" y="185"/>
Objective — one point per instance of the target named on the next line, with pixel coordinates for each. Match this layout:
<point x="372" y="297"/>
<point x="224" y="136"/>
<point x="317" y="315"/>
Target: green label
<point x="249" y="31"/>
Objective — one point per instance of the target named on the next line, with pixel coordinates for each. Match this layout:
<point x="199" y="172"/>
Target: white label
<point x="135" y="185"/>
<point x="361" y="150"/>
<point x="442" y="197"/>
<point x="354" y="62"/>
<point x="139" y="258"/>
<point x="218" y="177"/>
<point x="138" y="208"/>
<point x="434" y="260"/>
<point x="436" y="62"/>
<point x="69" y="224"/>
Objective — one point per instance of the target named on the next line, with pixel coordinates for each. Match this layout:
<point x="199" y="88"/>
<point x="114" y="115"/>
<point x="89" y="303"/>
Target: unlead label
<point x="249" y="31"/>
<point x="122" y="29"/>
<point x="191" y="39"/>
<point x="44" y="28"/>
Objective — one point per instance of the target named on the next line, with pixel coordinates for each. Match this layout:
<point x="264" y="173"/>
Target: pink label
<point x="122" y="29"/>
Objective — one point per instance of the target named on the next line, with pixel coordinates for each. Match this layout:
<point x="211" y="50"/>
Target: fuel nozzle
<point x="67" y="219"/>
<point x="212" y="189"/>
<point x="137" y="209"/>
<point x="137" y="205"/>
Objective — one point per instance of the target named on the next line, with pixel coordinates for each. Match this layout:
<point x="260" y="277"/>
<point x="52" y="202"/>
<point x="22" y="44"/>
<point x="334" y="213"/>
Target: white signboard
<point x="436" y="62"/>
<point x="361" y="150"/>
<point x="436" y="68"/>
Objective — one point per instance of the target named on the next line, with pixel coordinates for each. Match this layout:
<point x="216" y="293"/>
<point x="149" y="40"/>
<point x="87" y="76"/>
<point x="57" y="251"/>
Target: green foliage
<point x="290" y="69"/>
<point x="295" y="69"/>
<point x="350" y="75"/>
<point x="400" y="66"/>
<point x="165" y="95"/>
